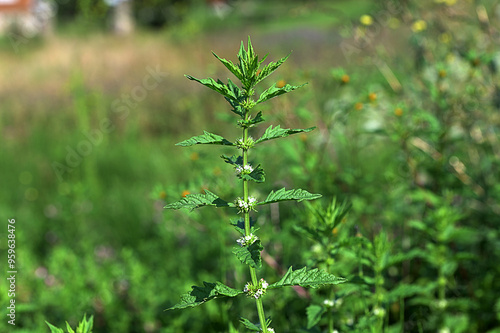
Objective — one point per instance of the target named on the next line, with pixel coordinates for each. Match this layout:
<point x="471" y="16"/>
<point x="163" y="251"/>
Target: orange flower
<point x="335" y="231"/>
<point x="162" y="195"/>
<point x="280" y="83"/>
<point x="372" y="97"/>
<point x="217" y="171"/>
<point x="185" y="193"/>
<point x="358" y="106"/>
<point x="345" y="79"/>
<point x="194" y="156"/>
<point x="398" y="112"/>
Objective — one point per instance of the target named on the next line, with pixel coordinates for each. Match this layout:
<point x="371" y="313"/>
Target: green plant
<point x="85" y="326"/>
<point x="249" y="247"/>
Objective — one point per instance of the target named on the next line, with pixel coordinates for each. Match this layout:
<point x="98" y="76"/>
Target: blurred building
<point x="26" y="17"/>
<point x="122" y="21"/>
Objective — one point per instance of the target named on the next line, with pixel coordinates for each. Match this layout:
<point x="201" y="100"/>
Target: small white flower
<point x="271" y="330"/>
<point x="379" y="312"/>
<point x="256" y="291"/>
<point x="247" y="240"/>
<point x="441" y="304"/>
<point x="246" y="169"/>
<point x="328" y="303"/>
<point x="244" y="206"/>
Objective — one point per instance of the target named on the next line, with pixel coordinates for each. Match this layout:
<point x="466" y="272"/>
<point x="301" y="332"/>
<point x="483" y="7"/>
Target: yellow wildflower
<point x="366" y="20"/>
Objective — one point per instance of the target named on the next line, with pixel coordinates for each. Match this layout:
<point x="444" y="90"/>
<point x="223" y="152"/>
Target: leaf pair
<point x="303" y="277"/>
<point x="214" y="139"/>
<point x="193" y="201"/>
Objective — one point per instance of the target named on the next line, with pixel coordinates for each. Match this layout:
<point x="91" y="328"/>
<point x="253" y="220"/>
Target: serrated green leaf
<point x="283" y="195"/>
<point x="251" y="122"/>
<point x="249" y="325"/>
<point x="229" y="65"/>
<point x="85" y="326"/>
<point x="69" y="329"/>
<point x="250" y="255"/>
<point x="314" y="313"/>
<point x="193" y="201"/>
<point x="205" y="138"/>
<point x="54" y="329"/>
<point x="270" y="68"/>
<point x="233" y="160"/>
<point x="257" y="119"/>
<point x="238" y="98"/>
<point x="200" y="295"/>
<point x="274" y="91"/>
<point x="254" y="327"/>
<point x="278" y="132"/>
<point x="217" y="86"/>
<point x="313" y="278"/>
<point x="257" y="175"/>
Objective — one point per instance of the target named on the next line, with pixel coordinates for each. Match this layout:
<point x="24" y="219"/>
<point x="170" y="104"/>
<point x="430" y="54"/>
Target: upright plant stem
<point x="253" y="273"/>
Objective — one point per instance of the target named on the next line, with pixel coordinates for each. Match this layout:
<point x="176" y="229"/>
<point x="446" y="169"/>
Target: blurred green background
<point x="406" y="98"/>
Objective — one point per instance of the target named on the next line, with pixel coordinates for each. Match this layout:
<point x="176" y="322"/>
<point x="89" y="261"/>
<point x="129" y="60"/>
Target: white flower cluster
<point x="245" y="170"/>
<point x="271" y="330"/>
<point x="247" y="240"/>
<point x="258" y="291"/>
<point x="244" y="206"/>
<point x="330" y="303"/>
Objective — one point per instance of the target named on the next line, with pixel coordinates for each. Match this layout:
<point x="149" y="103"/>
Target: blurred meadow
<point x="406" y="99"/>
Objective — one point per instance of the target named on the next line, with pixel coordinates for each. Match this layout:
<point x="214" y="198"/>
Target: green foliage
<point x="206" y="138"/>
<point x="200" y="295"/>
<point x="284" y="195"/>
<point x="249" y="253"/>
<point x="311" y="278"/>
<point x="418" y="166"/>
<point x="278" y="132"/>
<point x="193" y="201"/>
<point x="85" y="326"/>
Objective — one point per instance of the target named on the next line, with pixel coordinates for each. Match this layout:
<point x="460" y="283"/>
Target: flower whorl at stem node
<point x="247" y="240"/>
<point x="244" y="206"/>
<point x="245" y="144"/>
<point x="256" y="291"/>
<point x="244" y="170"/>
